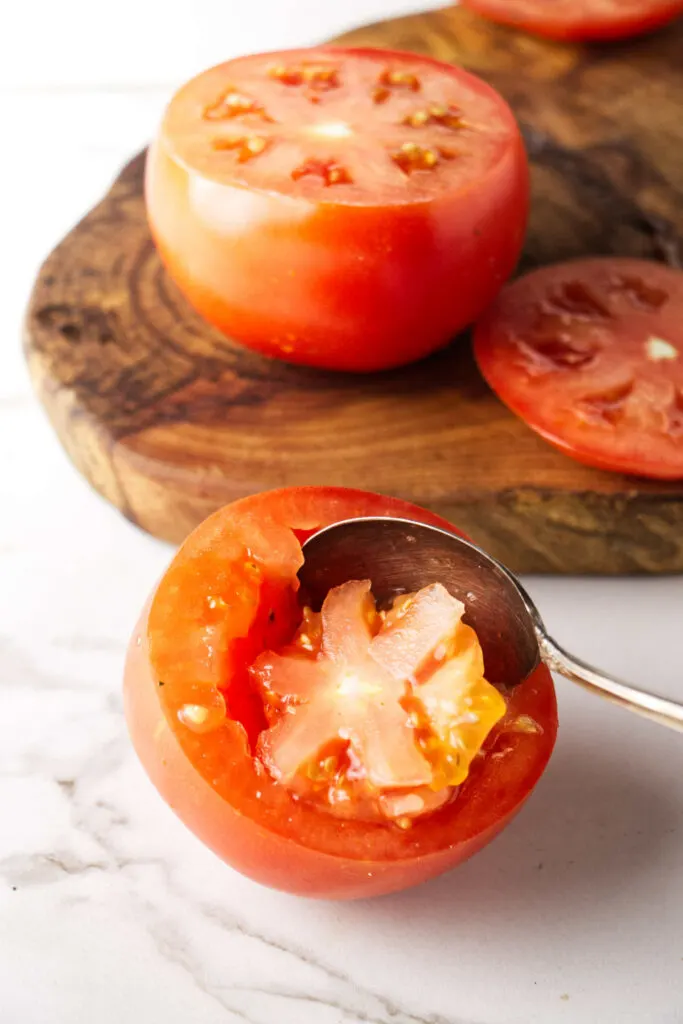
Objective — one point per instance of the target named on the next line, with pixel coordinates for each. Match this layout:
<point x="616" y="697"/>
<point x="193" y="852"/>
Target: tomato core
<point x="376" y="715"/>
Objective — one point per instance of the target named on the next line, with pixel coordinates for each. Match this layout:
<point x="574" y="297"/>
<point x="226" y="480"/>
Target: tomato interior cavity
<point x="377" y="716"/>
<point x="590" y="354"/>
<point x="339" y="125"/>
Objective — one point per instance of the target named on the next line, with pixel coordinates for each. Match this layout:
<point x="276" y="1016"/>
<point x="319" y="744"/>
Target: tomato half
<point x="196" y="718"/>
<point x="349" y="209"/>
<point x="589" y="354"/>
<point x="580" y="19"/>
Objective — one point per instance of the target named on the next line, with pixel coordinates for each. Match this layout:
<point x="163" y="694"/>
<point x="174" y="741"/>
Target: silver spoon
<point x="400" y="556"/>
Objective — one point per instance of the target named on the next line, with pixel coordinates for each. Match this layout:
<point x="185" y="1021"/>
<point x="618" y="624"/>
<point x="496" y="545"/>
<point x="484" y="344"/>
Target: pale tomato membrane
<point x="338" y="126"/>
<point x="377" y="717"/>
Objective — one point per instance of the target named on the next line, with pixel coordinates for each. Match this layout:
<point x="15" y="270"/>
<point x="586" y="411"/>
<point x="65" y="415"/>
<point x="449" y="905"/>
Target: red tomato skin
<point x="352" y="288"/>
<point x="583" y="24"/>
<point x="284" y="863"/>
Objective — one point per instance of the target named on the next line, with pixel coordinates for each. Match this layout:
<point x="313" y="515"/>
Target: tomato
<point x="589" y="354"/>
<point x="196" y="718"/>
<point x="349" y="209"/>
<point x="581" y="19"/>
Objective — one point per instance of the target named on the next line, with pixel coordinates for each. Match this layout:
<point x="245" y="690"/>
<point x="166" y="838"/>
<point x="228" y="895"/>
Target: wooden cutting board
<point x="168" y="420"/>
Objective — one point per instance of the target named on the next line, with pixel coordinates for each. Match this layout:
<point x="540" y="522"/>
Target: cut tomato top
<point x="581" y="19"/>
<point x="590" y="354"/>
<point x="341" y="126"/>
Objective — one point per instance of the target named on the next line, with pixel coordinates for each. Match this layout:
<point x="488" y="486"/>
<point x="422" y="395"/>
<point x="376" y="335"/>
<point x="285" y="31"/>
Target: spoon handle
<point x="649" y="705"/>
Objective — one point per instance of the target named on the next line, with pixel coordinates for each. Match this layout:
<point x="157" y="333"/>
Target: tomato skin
<point x="576" y="20"/>
<point x="355" y="288"/>
<point x="287" y="861"/>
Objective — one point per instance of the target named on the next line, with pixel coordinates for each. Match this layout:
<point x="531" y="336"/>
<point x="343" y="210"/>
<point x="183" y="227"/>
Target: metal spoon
<point x="400" y="556"/>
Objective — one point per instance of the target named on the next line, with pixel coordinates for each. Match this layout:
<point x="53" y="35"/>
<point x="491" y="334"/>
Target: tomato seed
<point x="394" y="79"/>
<point x="201" y="719"/>
<point x="235" y="104"/>
<point x="288" y="76"/>
<point x="330" y="172"/>
<point x="320" y="77"/>
<point x="246" y="147"/>
<point x="436" y="113"/>
<point x="526" y="724"/>
<point x="411" y="157"/>
<point x="418" y="119"/>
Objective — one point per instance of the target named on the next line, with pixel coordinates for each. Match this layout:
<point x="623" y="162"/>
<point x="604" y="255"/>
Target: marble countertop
<point x="109" y="908"/>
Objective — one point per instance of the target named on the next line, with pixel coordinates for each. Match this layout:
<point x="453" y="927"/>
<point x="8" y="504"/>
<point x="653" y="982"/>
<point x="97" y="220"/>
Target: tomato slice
<point x="580" y="19"/>
<point x="351" y="209"/>
<point x="210" y="738"/>
<point x="590" y="355"/>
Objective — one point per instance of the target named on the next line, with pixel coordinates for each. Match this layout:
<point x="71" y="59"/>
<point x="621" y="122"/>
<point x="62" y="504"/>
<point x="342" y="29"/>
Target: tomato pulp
<point x="589" y="354"/>
<point x="200" y="725"/>
<point x="581" y="19"/>
<point x="348" y="209"/>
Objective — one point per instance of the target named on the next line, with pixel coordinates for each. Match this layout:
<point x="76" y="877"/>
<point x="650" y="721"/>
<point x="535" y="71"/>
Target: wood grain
<point x="169" y="420"/>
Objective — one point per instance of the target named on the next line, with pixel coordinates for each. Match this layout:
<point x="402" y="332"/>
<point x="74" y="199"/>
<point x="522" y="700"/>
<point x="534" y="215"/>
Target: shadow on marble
<point x="590" y="831"/>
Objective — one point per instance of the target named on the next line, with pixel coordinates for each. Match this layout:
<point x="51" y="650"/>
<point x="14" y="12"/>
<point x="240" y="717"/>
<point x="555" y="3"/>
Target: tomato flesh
<point x="197" y="718"/>
<point x="341" y="126"/>
<point x="351" y="209"/>
<point x="581" y="19"/>
<point x="590" y="355"/>
<point x="384" y="719"/>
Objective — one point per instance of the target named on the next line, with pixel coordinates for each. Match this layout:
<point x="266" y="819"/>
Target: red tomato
<point x="590" y="354"/>
<point x="350" y="209"/>
<point x="195" y="720"/>
<point x="580" y="19"/>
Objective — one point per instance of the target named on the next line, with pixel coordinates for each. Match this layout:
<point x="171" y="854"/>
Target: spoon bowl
<point x="401" y="556"/>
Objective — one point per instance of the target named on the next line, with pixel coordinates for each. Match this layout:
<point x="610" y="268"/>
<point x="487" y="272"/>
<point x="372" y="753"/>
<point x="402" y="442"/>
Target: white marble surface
<point x="109" y="909"/>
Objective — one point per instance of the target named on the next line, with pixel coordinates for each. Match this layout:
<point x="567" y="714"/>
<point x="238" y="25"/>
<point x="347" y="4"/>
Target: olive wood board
<point x="169" y="420"/>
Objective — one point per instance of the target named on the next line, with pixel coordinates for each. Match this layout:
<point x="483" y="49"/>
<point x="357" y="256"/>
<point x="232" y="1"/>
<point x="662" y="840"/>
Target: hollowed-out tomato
<point x="289" y="741"/>
<point x="581" y="19"/>
<point x="349" y="209"/>
<point x="589" y="354"/>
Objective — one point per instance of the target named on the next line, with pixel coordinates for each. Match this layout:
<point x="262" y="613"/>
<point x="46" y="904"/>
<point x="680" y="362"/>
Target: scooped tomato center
<point x="376" y="715"/>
